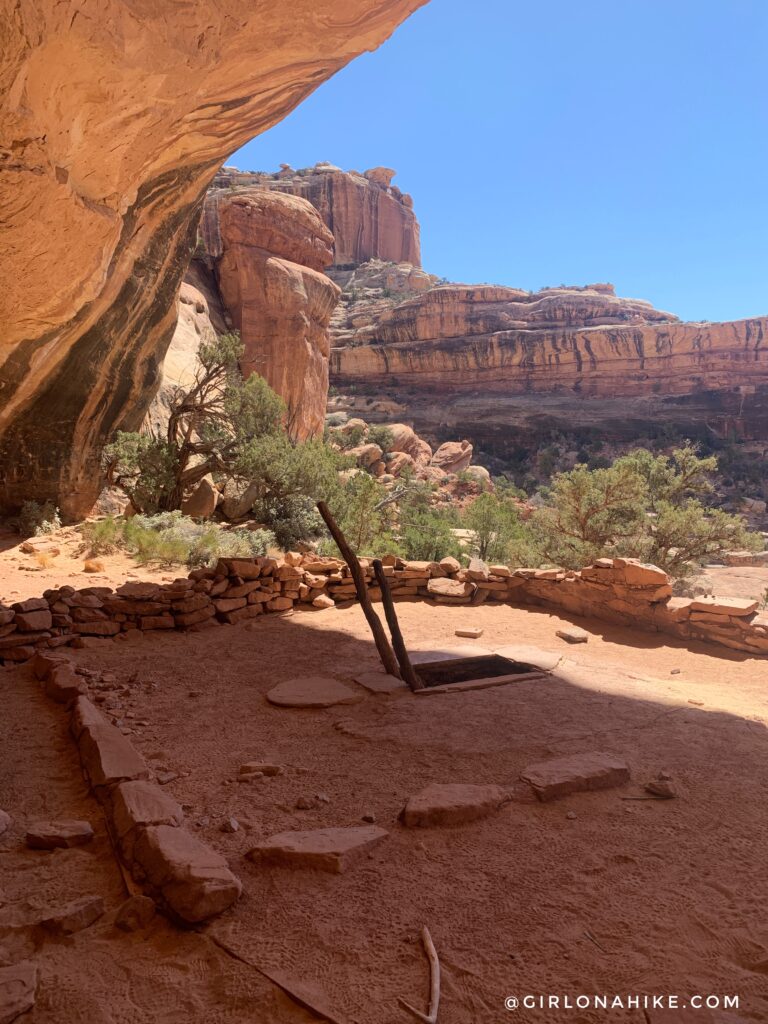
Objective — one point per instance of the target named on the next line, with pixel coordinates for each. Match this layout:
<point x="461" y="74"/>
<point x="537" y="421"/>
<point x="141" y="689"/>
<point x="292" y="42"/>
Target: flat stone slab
<point x="195" y="882"/>
<point x="573" y="635"/>
<point x="312" y="692"/>
<point x="737" y="606"/>
<point x="52" y="835"/>
<point x="545" y="660"/>
<point x="575" y="774"/>
<point x="451" y="804"/>
<point x="18" y="988"/>
<point x="321" y="849"/>
<point x="473" y="632"/>
<point x="73" y="917"/>
<point x="447" y="653"/>
<point x="138" y="804"/>
<point x="108" y="757"/>
<point x="380" y="682"/>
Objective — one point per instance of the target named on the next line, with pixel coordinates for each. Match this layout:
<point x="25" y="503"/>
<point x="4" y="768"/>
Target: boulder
<point x="574" y="774"/>
<point x="324" y="849"/>
<point x="201" y="503"/>
<point x="453" y="456"/>
<point x="405" y="439"/>
<point x="451" y="804"/>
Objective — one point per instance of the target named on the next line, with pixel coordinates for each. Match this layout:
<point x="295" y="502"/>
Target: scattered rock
<point x="163" y="778"/>
<point x="580" y="772"/>
<point x="323" y="601"/>
<point x="324" y="849"/>
<point x="74" y="917"/>
<point x="675" y="672"/>
<point x="571" y="815"/>
<point x="312" y="692"/>
<point x="370" y="818"/>
<point x="304" y="803"/>
<point x="230" y="825"/>
<point x="136" y="913"/>
<point x="51" y="835"/>
<point x="473" y="632"/>
<point x="573" y="635"/>
<point x="662" y="789"/>
<point x="18" y="988"/>
<point x="262" y="767"/>
<point x="451" y="804"/>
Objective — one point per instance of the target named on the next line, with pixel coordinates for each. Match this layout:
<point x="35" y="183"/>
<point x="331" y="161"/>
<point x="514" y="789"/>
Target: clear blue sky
<point x="562" y="142"/>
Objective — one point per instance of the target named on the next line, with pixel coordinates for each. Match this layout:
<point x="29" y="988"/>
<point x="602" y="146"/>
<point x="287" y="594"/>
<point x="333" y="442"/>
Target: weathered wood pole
<point x="383" y="645"/>
<point x="406" y="668"/>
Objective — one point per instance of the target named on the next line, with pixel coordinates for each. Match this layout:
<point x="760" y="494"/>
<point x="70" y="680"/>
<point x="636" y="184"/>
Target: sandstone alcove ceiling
<point x="115" y="118"/>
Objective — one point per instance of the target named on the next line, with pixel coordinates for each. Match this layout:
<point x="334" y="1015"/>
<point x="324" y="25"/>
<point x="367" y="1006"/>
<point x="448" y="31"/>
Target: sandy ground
<point x="671" y="893"/>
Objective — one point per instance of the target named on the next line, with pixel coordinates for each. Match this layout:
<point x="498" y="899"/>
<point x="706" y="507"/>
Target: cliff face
<point x="484" y="359"/>
<point x="369" y="216"/>
<point x="112" y="128"/>
<point x="274" y="248"/>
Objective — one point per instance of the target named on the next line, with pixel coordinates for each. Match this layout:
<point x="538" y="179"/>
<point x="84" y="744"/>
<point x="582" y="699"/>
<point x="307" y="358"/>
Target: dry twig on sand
<point x="434" y="983"/>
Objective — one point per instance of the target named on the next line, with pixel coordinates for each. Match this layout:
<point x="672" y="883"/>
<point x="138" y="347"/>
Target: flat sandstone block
<point x="107" y="756"/>
<point x="194" y="880"/>
<point x="573" y="635"/>
<point x="322" y="849"/>
<point x="451" y="804"/>
<point x="312" y="692"/>
<point x="52" y="835"/>
<point x="575" y="774"/>
<point x="472" y="633"/>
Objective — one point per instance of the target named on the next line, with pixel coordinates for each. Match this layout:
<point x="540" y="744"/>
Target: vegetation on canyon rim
<point x="642" y="505"/>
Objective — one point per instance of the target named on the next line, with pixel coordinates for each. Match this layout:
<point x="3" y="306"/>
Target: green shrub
<point x="382" y="436"/>
<point x="34" y="519"/>
<point x="102" y="537"/>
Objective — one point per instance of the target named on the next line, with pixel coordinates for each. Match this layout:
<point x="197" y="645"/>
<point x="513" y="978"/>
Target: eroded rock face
<point x="274" y="248"/>
<point x="113" y="126"/>
<point x="369" y="216"/>
<point x="481" y="359"/>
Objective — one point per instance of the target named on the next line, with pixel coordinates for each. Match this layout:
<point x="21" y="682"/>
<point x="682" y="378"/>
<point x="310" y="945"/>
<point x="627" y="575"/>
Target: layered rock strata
<point x="620" y="590"/>
<point x="480" y="360"/>
<point x="113" y="127"/>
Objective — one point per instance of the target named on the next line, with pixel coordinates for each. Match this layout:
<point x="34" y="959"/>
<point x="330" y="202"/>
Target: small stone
<point x="571" y="815"/>
<point x="675" y="672"/>
<point x="472" y="632"/>
<point x="50" y="835"/>
<point x="203" y="822"/>
<point x="662" y="789"/>
<point x="573" y="635"/>
<point x="304" y="804"/>
<point x="370" y="818"/>
<point x="136" y="913"/>
<point x="5" y="822"/>
<point x="73" y="917"/>
<point x="262" y="767"/>
<point x="230" y="825"/>
<point x="18" y="988"/>
<point x="251" y="777"/>
<point x="163" y="778"/>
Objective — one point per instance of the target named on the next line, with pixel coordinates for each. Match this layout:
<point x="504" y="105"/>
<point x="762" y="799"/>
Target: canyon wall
<point x="495" y="363"/>
<point x="114" y="123"/>
<point x="369" y="216"/>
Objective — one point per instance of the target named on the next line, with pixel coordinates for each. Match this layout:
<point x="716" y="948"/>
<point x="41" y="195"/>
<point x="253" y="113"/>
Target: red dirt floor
<point x="671" y="893"/>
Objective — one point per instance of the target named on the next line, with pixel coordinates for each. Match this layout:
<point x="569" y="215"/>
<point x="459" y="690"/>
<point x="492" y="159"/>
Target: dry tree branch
<point x="434" y="983"/>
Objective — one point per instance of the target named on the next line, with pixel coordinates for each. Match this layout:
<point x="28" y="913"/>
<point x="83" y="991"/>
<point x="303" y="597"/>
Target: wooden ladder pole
<point x="383" y="645"/>
<point x="406" y="668"/>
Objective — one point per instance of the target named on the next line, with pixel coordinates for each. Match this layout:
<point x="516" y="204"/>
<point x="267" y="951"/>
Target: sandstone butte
<point x="482" y="359"/>
<point x="112" y="129"/>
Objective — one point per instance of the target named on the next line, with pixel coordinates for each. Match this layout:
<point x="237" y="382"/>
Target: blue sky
<point x="562" y="142"/>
